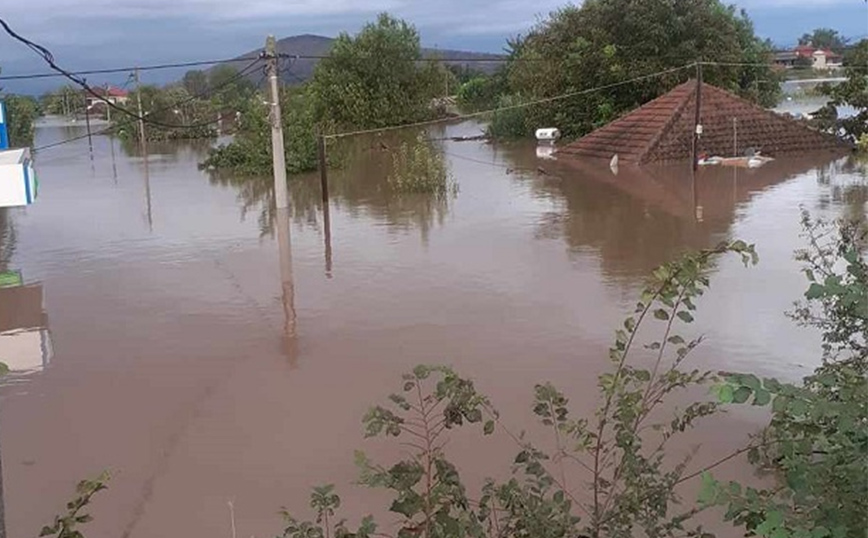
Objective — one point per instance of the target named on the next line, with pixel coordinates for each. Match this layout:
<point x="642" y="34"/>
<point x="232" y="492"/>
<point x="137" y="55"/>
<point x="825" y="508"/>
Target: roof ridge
<point x="673" y="119"/>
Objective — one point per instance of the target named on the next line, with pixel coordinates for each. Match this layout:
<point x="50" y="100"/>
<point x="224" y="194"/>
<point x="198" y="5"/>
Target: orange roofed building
<point x="662" y="130"/>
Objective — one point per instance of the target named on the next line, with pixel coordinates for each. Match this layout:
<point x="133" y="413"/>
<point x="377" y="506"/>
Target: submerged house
<point x="662" y="130"/>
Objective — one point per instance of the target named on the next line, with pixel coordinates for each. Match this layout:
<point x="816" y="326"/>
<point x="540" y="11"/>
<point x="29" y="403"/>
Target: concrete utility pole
<point x="144" y="145"/>
<point x="281" y="196"/>
<point x="108" y="109"/>
<point x="142" y="141"/>
<point x="87" y="122"/>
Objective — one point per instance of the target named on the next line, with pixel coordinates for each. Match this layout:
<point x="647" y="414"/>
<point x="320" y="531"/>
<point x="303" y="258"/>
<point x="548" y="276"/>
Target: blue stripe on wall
<point x="27" y="192"/>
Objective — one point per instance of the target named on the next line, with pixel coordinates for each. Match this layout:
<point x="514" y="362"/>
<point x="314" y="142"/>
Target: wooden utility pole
<point x="697" y="123"/>
<point x="281" y="196"/>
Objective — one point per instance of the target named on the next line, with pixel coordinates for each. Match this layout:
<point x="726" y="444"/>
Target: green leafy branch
<point x="66" y="526"/>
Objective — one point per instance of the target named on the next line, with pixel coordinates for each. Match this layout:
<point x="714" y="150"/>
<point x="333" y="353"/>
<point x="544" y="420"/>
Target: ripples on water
<point x="204" y="364"/>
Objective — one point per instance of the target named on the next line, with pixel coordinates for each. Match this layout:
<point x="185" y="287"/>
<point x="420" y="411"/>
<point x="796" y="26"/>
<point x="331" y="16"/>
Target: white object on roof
<point x="548" y="134"/>
<point x="17" y="178"/>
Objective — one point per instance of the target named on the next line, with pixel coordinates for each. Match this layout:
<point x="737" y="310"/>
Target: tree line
<point x="378" y="78"/>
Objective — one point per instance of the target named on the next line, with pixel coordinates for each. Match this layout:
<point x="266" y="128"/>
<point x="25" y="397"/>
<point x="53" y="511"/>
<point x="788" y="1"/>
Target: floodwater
<point x="173" y="328"/>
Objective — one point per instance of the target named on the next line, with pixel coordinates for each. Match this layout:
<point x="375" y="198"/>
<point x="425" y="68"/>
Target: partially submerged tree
<point x="610" y="42"/>
<point x="23" y="111"/>
<point x="853" y="92"/>
<point x="374" y="79"/>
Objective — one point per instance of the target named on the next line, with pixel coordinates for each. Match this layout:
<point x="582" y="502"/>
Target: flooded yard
<point x="205" y="357"/>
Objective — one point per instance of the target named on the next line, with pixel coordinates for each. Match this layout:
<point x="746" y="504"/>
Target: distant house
<point x="115" y="96"/>
<point x="662" y="130"/>
<point x="821" y="59"/>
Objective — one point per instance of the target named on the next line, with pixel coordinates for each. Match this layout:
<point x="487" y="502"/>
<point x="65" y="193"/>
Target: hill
<point x="296" y="71"/>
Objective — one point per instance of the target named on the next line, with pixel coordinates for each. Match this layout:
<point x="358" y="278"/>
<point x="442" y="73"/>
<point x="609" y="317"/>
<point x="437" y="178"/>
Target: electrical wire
<point x="212" y="91"/>
<point x="511" y="107"/>
<point x="114" y="70"/>
<point x="49" y="59"/>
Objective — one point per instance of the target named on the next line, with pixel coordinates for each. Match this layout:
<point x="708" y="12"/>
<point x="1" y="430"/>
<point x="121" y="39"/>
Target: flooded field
<point x="207" y="349"/>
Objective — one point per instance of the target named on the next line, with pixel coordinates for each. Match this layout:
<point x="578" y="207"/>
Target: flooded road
<point x="206" y="355"/>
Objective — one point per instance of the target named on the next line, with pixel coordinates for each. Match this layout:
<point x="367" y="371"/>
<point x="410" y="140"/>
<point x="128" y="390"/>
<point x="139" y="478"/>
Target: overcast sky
<point x="85" y="34"/>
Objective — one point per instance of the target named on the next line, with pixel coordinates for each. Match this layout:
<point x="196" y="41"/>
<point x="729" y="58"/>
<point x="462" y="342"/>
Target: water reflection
<point x="7" y="238"/>
<point x="645" y="216"/>
<point x="284" y="245"/>
<point x="25" y="342"/>
<point x="357" y="184"/>
<point x="847" y="181"/>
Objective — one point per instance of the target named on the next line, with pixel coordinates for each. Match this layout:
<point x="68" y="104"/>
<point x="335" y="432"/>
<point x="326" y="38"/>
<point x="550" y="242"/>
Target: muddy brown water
<point x="179" y="346"/>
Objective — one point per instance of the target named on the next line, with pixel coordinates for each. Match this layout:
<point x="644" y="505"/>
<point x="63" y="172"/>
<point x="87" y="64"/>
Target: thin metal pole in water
<point x="697" y="123"/>
<point x="281" y="196"/>
<point x="735" y="137"/>
<point x="326" y="214"/>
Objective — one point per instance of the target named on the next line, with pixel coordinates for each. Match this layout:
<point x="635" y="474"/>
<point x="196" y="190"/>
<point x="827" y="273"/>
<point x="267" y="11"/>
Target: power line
<point x="217" y="89"/>
<point x="114" y="70"/>
<point x="511" y="107"/>
<point x="49" y="59"/>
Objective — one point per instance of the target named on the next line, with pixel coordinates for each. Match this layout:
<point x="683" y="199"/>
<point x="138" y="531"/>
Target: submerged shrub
<point x="419" y="168"/>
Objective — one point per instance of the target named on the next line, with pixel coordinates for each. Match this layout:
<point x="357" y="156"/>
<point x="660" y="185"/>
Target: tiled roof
<point x="662" y="130"/>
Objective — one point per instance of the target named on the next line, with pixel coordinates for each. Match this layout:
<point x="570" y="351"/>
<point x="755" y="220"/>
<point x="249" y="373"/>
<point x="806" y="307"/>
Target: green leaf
<point x="780" y="403"/>
<point x="676" y="340"/>
<point x="409" y="506"/>
<point x="762" y="397"/>
<point x="661" y="314"/>
<point x="4" y="369"/>
<point x="726" y="394"/>
<point x="819" y="532"/>
<point x="685" y="316"/>
<point x="741" y="395"/>
<point x="488" y="429"/>
<point x="780" y="532"/>
<point x="815" y="291"/>
<point x="751" y="381"/>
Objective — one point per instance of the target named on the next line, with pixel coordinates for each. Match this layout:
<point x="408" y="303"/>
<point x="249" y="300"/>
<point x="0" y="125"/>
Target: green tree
<point x="852" y="92"/>
<point x="65" y="101"/>
<point x="374" y="79"/>
<point x="824" y="38"/>
<point x="250" y="151"/>
<point x="172" y="113"/>
<point x="228" y="89"/>
<point x="606" y="42"/>
<point x="195" y="82"/>
<point x="817" y="440"/>
<point x="22" y="111"/>
<point x="482" y="92"/>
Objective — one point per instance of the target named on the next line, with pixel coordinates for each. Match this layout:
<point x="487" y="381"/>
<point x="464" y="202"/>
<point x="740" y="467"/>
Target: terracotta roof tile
<point x="662" y="130"/>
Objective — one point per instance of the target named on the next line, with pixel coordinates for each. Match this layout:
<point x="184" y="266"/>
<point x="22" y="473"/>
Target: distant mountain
<point x="296" y="71"/>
